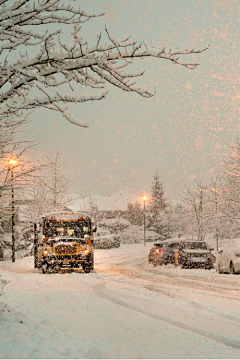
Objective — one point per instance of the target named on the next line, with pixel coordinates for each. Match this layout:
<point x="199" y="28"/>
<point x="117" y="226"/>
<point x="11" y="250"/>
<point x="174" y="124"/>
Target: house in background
<point x="110" y="206"/>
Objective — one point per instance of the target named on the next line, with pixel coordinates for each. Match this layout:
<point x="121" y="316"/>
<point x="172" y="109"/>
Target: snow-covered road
<point x="126" y="309"/>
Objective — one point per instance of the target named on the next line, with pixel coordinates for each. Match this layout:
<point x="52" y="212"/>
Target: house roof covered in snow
<point x="115" y="202"/>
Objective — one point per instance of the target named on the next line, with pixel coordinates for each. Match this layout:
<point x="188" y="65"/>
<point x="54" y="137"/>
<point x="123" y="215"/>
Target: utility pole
<point x="200" y="214"/>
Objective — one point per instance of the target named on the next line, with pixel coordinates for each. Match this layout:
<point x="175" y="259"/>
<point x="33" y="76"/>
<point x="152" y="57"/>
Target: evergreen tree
<point x="158" y="201"/>
<point x="135" y="214"/>
<point x="231" y="194"/>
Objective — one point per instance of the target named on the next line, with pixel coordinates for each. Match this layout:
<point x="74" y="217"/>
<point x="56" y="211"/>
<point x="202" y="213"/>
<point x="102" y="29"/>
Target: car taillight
<point x="159" y="251"/>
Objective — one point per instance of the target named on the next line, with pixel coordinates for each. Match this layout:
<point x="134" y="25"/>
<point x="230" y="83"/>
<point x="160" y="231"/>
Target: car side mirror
<point x="237" y="253"/>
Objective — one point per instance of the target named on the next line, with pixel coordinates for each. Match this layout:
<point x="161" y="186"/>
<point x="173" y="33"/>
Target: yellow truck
<point x="66" y="241"/>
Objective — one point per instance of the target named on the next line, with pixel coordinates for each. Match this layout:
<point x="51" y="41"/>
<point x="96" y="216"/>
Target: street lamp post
<point x="216" y="206"/>
<point x="144" y="219"/>
<point x="200" y="215"/>
<point x="11" y="163"/>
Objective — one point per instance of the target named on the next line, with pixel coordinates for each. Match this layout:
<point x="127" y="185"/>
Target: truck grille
<point x="66" y="249"/>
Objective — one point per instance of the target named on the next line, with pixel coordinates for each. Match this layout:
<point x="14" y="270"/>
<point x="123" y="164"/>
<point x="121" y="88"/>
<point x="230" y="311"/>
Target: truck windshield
<point x="62" y="228"/>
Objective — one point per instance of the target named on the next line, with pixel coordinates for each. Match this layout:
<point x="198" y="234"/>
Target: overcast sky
<point x="184" y="132"/>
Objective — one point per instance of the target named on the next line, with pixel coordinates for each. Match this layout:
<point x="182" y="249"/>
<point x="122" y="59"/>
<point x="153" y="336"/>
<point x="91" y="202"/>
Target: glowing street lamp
<point x="11" y="163"/>
<point x="144" y="219"/>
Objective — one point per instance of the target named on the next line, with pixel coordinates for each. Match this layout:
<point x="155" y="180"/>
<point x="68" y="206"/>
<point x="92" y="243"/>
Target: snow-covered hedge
<point x="107" y="241"/>
<point x="134" y="234"/>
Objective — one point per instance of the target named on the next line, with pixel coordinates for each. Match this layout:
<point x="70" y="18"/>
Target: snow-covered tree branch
<point x="34" y="60"/>
<point x="50" y="191"/>
<point x="196" y="200"/>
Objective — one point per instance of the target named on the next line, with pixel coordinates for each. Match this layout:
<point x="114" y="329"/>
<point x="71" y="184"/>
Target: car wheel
<point x="232" y="271"/>
<point x="218" y="269"/>
<point x="154" y="264"/>
<point x="182" y="266"/>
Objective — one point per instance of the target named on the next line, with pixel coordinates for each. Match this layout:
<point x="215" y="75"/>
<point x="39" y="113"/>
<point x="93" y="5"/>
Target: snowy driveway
<point x="126" y="309"/>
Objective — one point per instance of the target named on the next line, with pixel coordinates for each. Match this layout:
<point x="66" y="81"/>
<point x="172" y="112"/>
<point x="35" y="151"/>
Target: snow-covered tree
<point x="15" y="167"/>
<point x="196" y="200"/>
<point x="51" y="190"/>
<point x="231" y="193"/>
<point x="37" y="63"/>
<point x="158" y="201"/>
<point x="180" y="220"/>
<point x="134" y="214"/>
<point x="17" y="172"/>
<point x="92" y="208"/>
<point x="158" y="216"/>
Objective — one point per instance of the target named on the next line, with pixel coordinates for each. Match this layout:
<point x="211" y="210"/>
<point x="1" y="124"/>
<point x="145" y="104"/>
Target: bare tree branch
<point x="57" y="64"/>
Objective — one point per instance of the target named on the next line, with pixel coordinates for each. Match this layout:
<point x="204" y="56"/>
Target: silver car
<point x="228" y="258"/>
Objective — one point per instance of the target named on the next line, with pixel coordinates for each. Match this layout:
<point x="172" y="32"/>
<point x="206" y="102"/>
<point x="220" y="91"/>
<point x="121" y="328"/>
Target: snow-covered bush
<point x="115" y="225"/>
<point x="3" y="283"/>
<point x="103" y="239"/>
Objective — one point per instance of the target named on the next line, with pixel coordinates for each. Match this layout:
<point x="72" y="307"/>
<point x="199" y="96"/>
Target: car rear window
<point x="195" y="245"/>
<point x="158" y="245"/>
<point x="173" y="245"/>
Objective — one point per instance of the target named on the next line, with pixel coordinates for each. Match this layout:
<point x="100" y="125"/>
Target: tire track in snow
<point x="154" y="284"/>
<point x="100" y="291"/>
<point x="225" y="289"/>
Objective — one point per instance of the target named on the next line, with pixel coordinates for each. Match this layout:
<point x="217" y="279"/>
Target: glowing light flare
<point x="144" y="198"/>
<point x="12" y="162"/>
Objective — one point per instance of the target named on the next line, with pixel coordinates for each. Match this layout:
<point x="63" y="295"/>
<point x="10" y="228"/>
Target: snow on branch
<point x="57" y="64"/>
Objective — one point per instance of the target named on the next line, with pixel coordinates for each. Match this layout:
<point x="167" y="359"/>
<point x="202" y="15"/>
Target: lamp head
<point x="12" y="162"/>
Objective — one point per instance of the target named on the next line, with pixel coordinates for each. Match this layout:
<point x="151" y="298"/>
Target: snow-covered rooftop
<point x="115" y="202"/>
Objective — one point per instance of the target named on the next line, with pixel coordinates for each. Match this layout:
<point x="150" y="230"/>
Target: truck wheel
<point x="218" y="269"/>
<point x="57" y="268"/>
<point x="87" y="268"/>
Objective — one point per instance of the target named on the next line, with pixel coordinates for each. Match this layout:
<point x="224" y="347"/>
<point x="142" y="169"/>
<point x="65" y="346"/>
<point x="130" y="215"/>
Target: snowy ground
<point x="126" y="309"/>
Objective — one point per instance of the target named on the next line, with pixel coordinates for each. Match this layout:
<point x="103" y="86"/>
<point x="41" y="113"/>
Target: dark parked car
<point x="163" y="253"/>
<point x="194" y="253"/>
<point x="170" y="250"/>
<point x="155" y="255"/>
